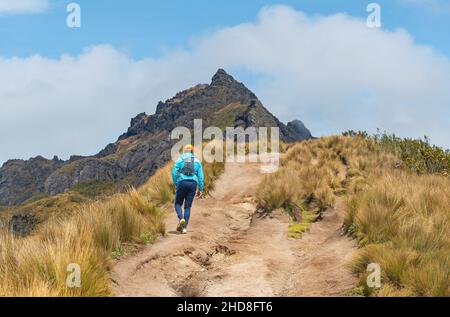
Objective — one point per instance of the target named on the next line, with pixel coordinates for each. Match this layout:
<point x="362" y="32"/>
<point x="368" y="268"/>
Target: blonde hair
<point x="188" y="148"/>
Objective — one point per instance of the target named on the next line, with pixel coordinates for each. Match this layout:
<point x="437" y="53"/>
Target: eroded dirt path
<point x="231" y="251"/>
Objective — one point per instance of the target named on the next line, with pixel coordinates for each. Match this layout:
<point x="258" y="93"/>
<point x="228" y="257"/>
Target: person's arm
<point x="201" y="181"/>
<point x="175" y="171"/>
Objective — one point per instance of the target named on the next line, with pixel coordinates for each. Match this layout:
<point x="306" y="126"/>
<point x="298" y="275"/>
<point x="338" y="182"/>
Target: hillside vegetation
<point x="90" y="237"/>
<point x="44" y="207"/>
<point x="397" y="194"/>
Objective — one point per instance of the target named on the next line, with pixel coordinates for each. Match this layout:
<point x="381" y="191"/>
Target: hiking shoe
<point x="184" y="231"/>
<point x="181" y="225"/>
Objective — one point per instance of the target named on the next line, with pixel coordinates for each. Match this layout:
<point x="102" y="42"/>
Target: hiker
<point x="187" y="177"/>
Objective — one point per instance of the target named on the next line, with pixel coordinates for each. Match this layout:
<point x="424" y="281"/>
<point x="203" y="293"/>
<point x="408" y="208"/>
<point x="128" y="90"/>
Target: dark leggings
<point x="185" y="194"/>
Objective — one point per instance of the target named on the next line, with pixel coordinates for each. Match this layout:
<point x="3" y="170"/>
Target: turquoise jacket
<point x="178" y="177"/>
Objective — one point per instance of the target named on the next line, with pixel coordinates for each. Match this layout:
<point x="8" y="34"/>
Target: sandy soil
<point x="231" y="250"/>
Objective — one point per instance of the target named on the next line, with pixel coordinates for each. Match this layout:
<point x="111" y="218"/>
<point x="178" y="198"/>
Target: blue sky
<point x="145" y="27"/>
<point x="72" y="91"/>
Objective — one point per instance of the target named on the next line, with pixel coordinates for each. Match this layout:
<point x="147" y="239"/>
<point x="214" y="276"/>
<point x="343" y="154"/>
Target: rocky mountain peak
<point x="222" y="78"/>
<point x="146" y="145"/>
<point x="224" y="82"/>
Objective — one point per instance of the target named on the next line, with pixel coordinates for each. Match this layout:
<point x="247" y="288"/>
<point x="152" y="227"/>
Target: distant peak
<point x="222" y="78"/>
<point x="221" y="71"/>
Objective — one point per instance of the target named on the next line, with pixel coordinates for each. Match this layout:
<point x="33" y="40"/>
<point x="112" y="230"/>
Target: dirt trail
<point x="231" y="251"/>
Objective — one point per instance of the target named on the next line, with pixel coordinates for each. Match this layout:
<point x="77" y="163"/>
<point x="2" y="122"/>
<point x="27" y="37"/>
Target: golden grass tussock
<point x="37" y="265"/>
<point x="403" y="222"/>
<point x="311" y="175"/>
<point x="399" y="215"/>
<point x="159" y="188"/>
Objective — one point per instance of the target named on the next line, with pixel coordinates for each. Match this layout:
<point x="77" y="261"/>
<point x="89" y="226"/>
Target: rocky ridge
<point x="145" y="147"/>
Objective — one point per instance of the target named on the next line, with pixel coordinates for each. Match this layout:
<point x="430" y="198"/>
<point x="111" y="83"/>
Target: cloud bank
<point x="8" y="7"/>
<point x="332" y="72"/>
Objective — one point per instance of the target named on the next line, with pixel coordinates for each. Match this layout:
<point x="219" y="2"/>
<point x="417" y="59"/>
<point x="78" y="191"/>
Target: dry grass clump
<point x="404" y="221"/>
<point x="159" y="188"/>
<point x="400" y="216"/>
<point x="37" y="265"/>
<point x="314" y="172"/>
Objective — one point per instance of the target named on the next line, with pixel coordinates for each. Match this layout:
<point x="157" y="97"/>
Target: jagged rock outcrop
<point x="225" y="98"/>
<point x="20" y="180"/>
<point x="146" y="145"/>
<point x="299" y="130"/>
<point x="82" y="170"/>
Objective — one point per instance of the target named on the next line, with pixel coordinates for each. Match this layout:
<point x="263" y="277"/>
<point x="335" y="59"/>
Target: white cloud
<point x="22" y="6"/>
<point x="332" y="72"/>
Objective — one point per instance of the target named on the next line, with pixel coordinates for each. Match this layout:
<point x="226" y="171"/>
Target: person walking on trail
<point x="188" y="179"/>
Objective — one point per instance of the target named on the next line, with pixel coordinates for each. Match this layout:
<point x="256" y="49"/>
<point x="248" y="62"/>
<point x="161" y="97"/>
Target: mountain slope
<point x="145" y="147"/>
